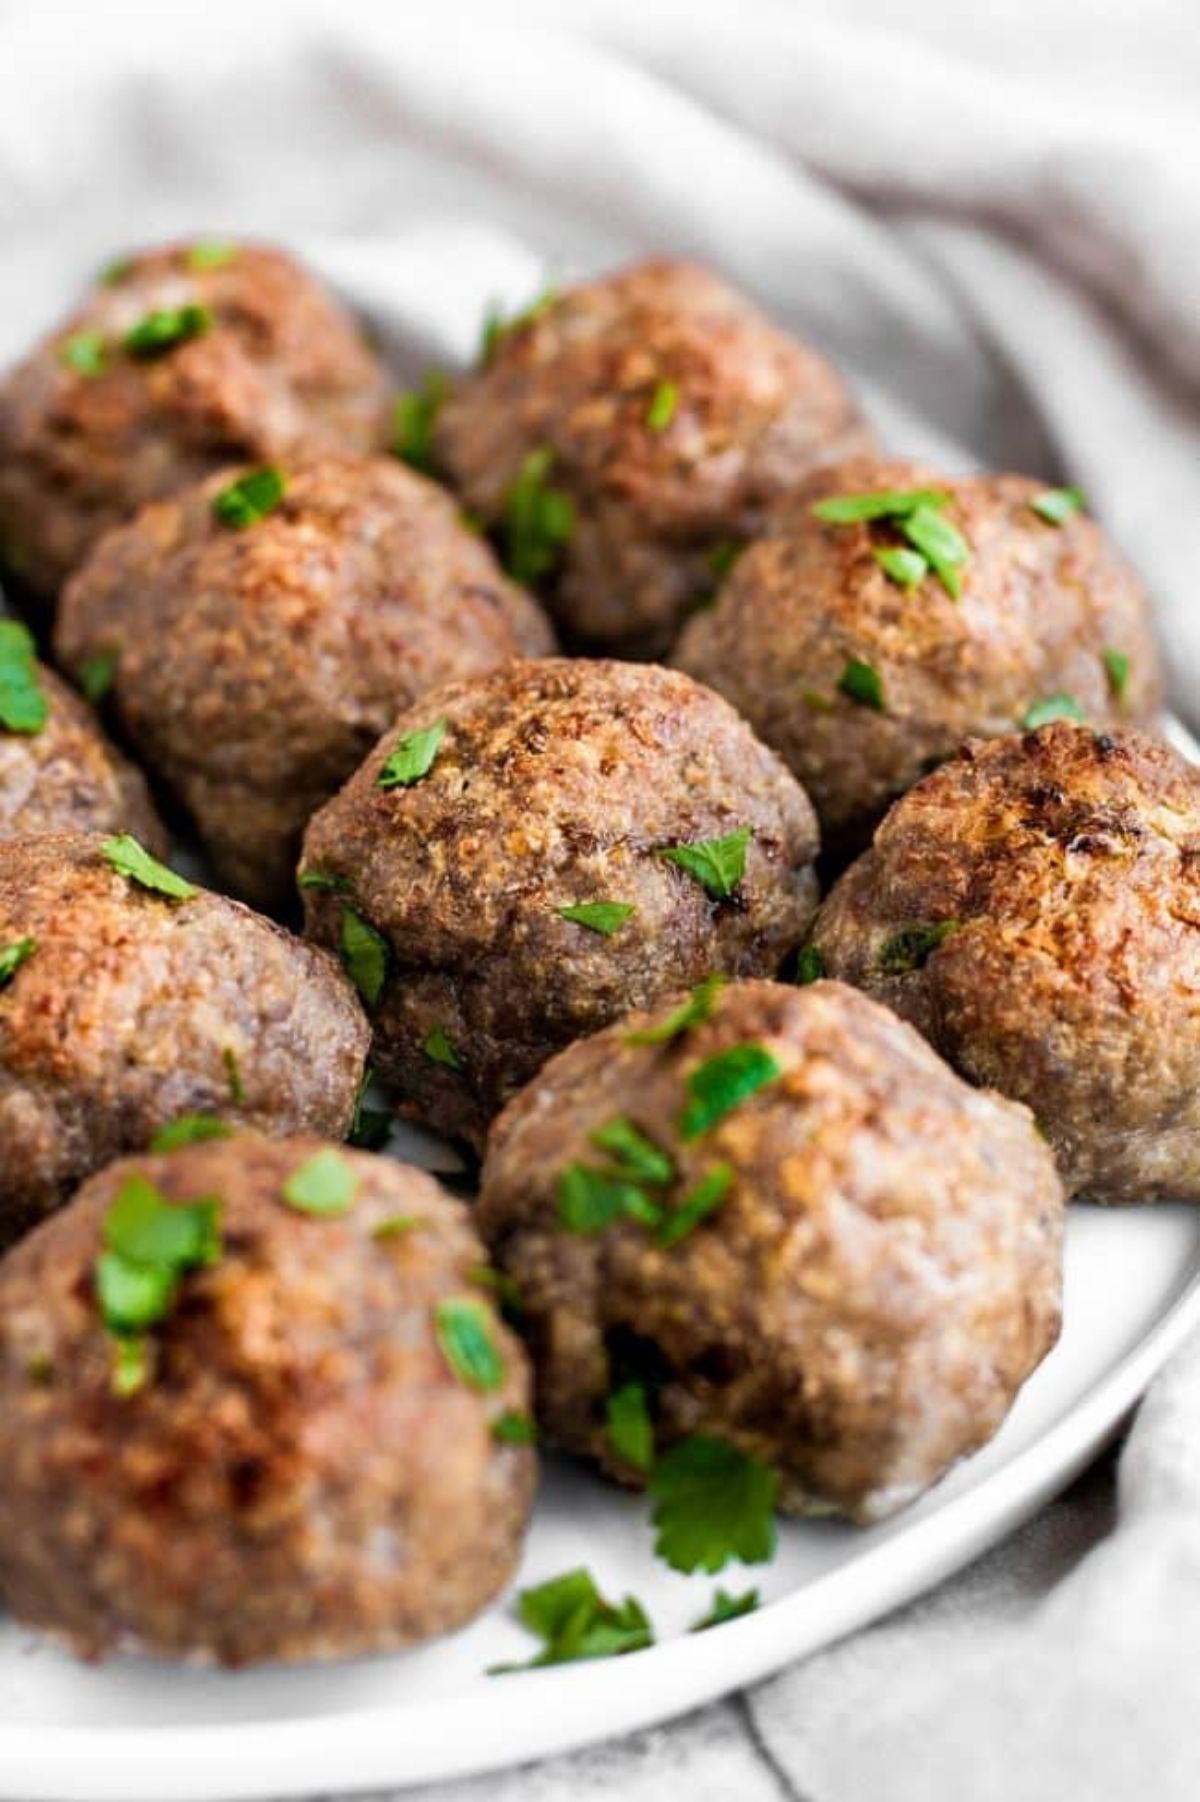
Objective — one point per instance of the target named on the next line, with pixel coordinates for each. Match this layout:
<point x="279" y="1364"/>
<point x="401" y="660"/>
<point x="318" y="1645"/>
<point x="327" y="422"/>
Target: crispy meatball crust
<point x="1040" y="607"/>
<point x="256" y="667"/>
<point x="133" y="1009"/>
<point x="557" y="783"/>
<point x="302" y="1475"/>
<point x="69" y="778"/>
<point x="862" y="1307"/>
<point x="283" y="367"/>
<point x="1070" y="861"/>
<point x="751" y="411"/>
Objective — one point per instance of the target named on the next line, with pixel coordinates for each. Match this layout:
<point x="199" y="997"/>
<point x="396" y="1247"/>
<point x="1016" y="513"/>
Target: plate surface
<point x="137" y="1731"/>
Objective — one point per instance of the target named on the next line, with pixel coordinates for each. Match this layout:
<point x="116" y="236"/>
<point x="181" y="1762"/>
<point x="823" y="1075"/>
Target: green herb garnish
<point x="810" y="965"/>
<point x="414" y="416"/>
<point x="133" y="861"/>
<point x="861" y="682"/>
<point x="464" y="1332"/>
<point x="712" y="1503"/>
<point x="917" y="515"/>
<point x="635" y="1156"/>
<point x="365" y="955"/>
<point x="663" y="404"/>
<point x="692" y="1012"/>
<point x="590" y="1200"/>
<point x="394" y="1226"/>
<point x="189" y="1129"/>
<point x="150" y="1244"/>
<point x="888" y="503"/>
<point x="514" y="1428"/>
<point x="23" y="706"/>
<point x="1117" y="666"/>
<point x="727" y="1608"/>
<point x="943" y="547"/>
<point x="323" y="879"/>
<point x="717" y="864"/>
<point x="324" y="1184"/>
<point x="85" y="353"/>
<point x="249" y="499"/>
<point x="413" y="757"/>
<point x="496" y="327"/>
<point x="1051" y="707"/>
<point x="912" y="947"/>
<point x="1057" y="505"/>
<point x="210" y="253"/>
<point x="722" y="1083"/>
<point x="905" y="567"/>
<point x="370" y="1127"/>
<point x="723" y="556"/>
<point x="604" y="917"/>
<point x="573" y="1619"/>
<point x="165" y="327"/>
<point x="629" y="1427"/>
<point x="703" y="1200"/>
<point x="97" y="674"/>
<point x="538" y="520"/>
<point x="13" y="956"/>
<point x="438" y="1047"/>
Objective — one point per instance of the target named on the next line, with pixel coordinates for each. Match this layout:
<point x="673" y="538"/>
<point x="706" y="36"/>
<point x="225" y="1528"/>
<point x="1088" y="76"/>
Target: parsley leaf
<point x="249" y="499"/>
<point x="862" y="682"/>
<point x="370" y="1127"/>
<point x="323" y="879"/>
<point x="1051" y="707"/>
<point x="727" y="1608"/>
<point x="414" y="416"/>
<point x="636" y="1156"/>
<point x="365" y="954"/>
<point x="13" y="956"/>
<point x="496" y="327"/>
<point x="717" y="864"/>
<point x="413" y="757"/>
<point x="941" y="544"/>
<point x="1057" y="505"/>
<point x="590" y="1200"/>
<point x="703" y="1200"/>
<point x="233" y="1075"/>
<point x="393" y="1226"/>
<point x="906" y="568"/>
<point x="576" y="1622"/>
<point x="629" y="1427"/>
<point x="514" y="1428"/>
<point x="165" y="327"/>
<point x="189" y="1129"/>
<point x="131" y="860"/>
<point x="23" y="706"/>
<point x="97" y="674"/>
<point x="464" y="1332"/>
<point x="210" y="253"/>
<point x="1117" y="666"/>
<point x="604" y="917"/>
<point x="712" y="1503"/>
<point x="150" y="1243"/>
<point x="663" y="404"/>
<point x="323" y="1184"/>
<point x="537" y="522"/>
<point x="722" y="1083"/>
<point x="887" y="503"/>
<point x="439" y="1048"/>
<point x="692" y="1012"/>
<point x="810" y="965"/>
<point x="912" y="947"/>
<point x="85" y="353"/>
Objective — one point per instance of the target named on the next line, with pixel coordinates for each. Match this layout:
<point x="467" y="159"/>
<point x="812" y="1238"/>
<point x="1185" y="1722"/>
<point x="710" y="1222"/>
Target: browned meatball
<point x="121" y="1008"/>
<point x="1034" y="908"/>
<point x="1045" y="611"/>
<point x="67" y="777"/>
<point x="299" y="1465"/>
<point x="256" y="665"/>
<point x="876" y="1272"/>
<point x="552" y="786"/>
<point x="181" y="360"/>
<point x="671" y="412"/>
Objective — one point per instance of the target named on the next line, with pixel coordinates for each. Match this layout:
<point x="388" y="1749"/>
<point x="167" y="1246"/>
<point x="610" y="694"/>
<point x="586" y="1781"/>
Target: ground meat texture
<point x="860" y="1309"/>
<point x="556" y="784"/>
<point x="674" y="413"/>
<point x="67" y="777"/>
<point x="1034" y="908"/>
<point x="257" y="666"/>
<point x="281" y="367"/>
<point x="1044" y="610"/>
<point x="131" y="1009"/>
<point x="302" y="1474"/>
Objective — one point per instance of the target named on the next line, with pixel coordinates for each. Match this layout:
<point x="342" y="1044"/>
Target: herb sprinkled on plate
<point x="574" y="1621"/>
<point x="712" y="1503"/>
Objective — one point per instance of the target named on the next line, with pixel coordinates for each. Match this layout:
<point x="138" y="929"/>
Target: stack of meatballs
<point x="771" y="1188"/>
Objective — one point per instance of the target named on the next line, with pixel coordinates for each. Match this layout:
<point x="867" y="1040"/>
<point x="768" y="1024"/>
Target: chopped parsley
<point x="1051" y="707"/>
<point x="628" y="1425"/>
<point x="97" y="674"/>
<point x="324" y="1184"/>
<point x="887" y="503"/>
<point x="150" y="1244"/>
<point x="723" y="556"/>
<point x="496" y="327"/>
<point x="1057" y="505"/>
<point x="414" y="416"/>
<point x="717" y="864"/>
<point x="703" y="1200"/>
<point x="85" y="353"/>
<point x="394" y="1226"/>
<point x="692" y="1012"/>
<point x="712" y="1503"/>
<point x="13" y="956"/>
<point x="728" y="1608"/>
<point x="23" y="705"/>
<point x="917" y="514"/>
<point x="165" y="327"/>
<point x="905" y="567"/>
<point x="663" y="404"/>
<point x="574" y="1621"/>
<point x="370" y="1126"/>
<point x="722" y="1083"/>
<point x="129" y="859"/>
<point x="590" y="1200"/>
<point x="1116" y="666"/>
<point x="942" y="545"/>
<point x="189" y="1129"/>
<point x="514" y="1428"/>
<point x="249" y="499"/>
<point x="861" y="682"/>
<point x="810" y="965"/>
<point x="538" y="520"/>
<point x="464" y="1332"/>
<point x="438" y="1047"/>
<point x="413" y="757"/>
<point x="233" y="1075"/>
<point x="912" y="947"/>
<point x="365" y="954"/>
<point x="604" y="917"/>
<point x="210" y="253"/>
<point x="323" y="879"/>
<point x="634" y="1155"/>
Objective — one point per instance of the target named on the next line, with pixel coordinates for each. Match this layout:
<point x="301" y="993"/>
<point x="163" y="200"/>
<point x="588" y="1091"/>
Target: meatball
<point x="1033" y="907"/>
<point x="181" y="360"/>
<point x="257" y="663"/>
<point x="64" y="775"/>
<point x="668" y="412"/>
<point x="862" y="684"/>
<point x="294" y="1460"/>
<point x="122" y="1007"/>
<point x="585" y="837"/>
<point x="789" y="1227"/>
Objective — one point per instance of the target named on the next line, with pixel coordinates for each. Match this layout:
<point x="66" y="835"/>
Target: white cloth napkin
<point x="991" y="217"/>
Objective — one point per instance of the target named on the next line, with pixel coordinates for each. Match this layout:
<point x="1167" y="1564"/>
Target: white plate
<point x="137" y="1731"/>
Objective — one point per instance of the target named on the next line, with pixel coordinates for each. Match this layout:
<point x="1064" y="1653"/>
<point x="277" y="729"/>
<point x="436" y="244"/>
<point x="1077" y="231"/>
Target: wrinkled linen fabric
<point x="991" y="219"/>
